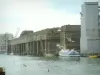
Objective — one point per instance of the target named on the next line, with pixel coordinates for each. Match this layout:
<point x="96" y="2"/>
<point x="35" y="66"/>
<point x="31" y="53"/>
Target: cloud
<point x="37" y="14"/>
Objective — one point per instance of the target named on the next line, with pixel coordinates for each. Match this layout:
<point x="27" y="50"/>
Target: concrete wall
<point x="73" y="32"/>
<point x="37" y="43"/>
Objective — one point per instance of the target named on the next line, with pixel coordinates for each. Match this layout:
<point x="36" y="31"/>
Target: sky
<point x="38" y="14"/>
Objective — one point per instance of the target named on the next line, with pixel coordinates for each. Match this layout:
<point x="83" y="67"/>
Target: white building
<point x="90" y="28"/>
<point x="4" y="38"/>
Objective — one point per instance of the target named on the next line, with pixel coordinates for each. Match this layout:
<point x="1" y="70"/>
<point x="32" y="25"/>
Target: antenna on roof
<point x="17" y="32"/>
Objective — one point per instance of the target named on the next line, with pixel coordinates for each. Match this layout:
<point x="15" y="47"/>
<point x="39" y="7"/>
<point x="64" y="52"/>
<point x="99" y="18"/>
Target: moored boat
<point x="11" y="53"/>
<point x="94" y="56"/>
<point x="67" y="52"/>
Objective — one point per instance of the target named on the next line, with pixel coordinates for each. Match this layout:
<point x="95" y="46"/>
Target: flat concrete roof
<point x="71" y="28"/>
<point x="91" y="3"/>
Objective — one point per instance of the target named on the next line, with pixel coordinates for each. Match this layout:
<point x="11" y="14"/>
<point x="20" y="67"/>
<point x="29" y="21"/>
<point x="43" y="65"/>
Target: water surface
<point x="24" y="65"/>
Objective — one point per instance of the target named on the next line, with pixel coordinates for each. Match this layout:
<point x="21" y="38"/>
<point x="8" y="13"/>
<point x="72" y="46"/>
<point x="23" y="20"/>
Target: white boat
<point x="67" y="52"/>
<point x="11" y="53"/>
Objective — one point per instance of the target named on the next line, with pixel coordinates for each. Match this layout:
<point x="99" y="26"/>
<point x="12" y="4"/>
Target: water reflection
<point x="69" y="59"/>
<point x="91" y="60"/>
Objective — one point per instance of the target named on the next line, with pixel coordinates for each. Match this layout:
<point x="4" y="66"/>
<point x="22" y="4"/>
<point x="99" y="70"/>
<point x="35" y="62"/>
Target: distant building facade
<point x="4" y="38"/>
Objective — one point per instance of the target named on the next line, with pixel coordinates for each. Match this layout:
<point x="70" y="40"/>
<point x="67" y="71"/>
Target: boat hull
<point x="94" y="56"/>
<point x="69" y="55"/>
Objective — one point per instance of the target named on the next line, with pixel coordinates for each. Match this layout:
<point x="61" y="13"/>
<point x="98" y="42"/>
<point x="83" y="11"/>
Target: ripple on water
<point x="22" y="65"/>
